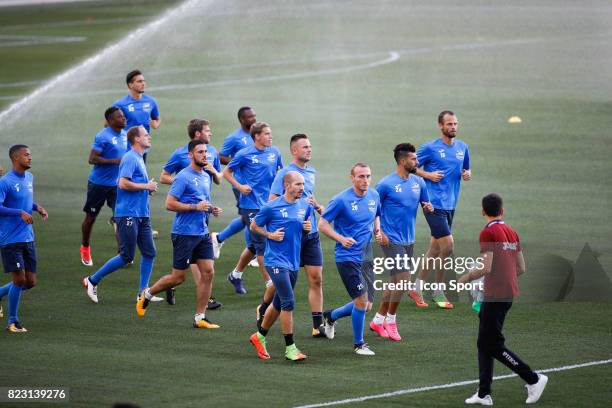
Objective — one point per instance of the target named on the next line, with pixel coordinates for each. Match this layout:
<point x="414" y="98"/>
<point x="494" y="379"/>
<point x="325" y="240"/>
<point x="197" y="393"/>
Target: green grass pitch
<point x="358" y="77"/>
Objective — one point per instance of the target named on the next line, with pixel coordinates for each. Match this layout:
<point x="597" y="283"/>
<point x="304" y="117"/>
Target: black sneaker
<point x="170" y="298"/>
<point x="213" y="304"/>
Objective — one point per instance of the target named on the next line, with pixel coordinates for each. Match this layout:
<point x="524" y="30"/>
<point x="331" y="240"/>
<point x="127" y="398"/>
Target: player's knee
<point x="287" y="304"/>
<point x="177" y="278"/>
<point x="126" y="258"/>
<point x="30" y="282"/>
<point x="315" y="280"/>
<point x="276" y="303"/>
<point x="208" y="275"/>
<point x="150" y="253"/>
<point x="19" y="281"/>
<point x="362" y="301"/>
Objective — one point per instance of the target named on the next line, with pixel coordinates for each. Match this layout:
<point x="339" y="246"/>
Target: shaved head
<point x="294" y="185"/>
<point x="291" y="177"/>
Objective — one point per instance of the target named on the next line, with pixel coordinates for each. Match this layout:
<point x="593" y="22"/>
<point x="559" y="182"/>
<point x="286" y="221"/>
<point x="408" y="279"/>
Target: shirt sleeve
<point x="177" y="188"/>
<point x="278" y="187"/>
<point x="172" y="165"/>
<point x="217" y="162"/>
<point x="127" y="167"/>
<point x="333" y="209"/>
<point x="155" y="110"/>
<point x="466" y="159"/>
<point x="6" y="211"/>
<point x="279" y="160"/>
<point x="424" y="194"/>
<point x="263" y="216"/>
<point x="487" y="241"/>
<point x="423" y="155"/>
<point x="98" y="144"/>
<point x="381" y="189"/>
<point x="236" y="162"/>
<point x="228" y="147"/>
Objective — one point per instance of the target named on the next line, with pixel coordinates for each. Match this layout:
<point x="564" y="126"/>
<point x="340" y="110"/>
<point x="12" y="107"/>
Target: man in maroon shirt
<point x="503" y="262"/>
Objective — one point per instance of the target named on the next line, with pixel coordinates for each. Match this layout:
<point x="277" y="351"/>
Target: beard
<point x="450" y="135"/>
<point x="200" y="164"/>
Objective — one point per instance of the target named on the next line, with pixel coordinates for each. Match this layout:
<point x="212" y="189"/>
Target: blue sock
<point x="342" y="311"/>
<point x="358" y="318"/>
<point x="232" y="228"/>
<point x="109" y="267"/>
<point x="5" y="290"/>
<point x="146" y="269"/>
<point x="14" y="296"/>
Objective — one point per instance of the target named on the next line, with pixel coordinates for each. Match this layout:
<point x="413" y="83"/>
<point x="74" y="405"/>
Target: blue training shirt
<point x="450" y="160"/>
<point x="309" y="174"/>
<point x="236" y="141"/>
<point x="179" y="159"/>
<point x="132" y="203"/>
<point x="110" y="145"/>
<point x="138" y="111"/>
<point x="400" y="199"/>
<point x="233" y="143"/>
<point x="190" y="187"/>
<point x="258" y="168"/>
<point x="17" y="192"/>
<point x="353" y="216"/>
<point x="276" y="214"/>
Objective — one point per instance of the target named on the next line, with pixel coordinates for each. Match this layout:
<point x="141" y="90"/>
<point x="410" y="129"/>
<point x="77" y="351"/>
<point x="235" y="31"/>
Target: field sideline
<point x="357" y="80"/>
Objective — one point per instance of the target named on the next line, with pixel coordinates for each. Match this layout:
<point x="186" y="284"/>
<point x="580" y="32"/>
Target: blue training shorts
<point x="256" y="243"/>
<point x="187" y="249"/>
<point x="284" y="282"/>
<point x="97" y="195"/>
<point x="19" y="256"/>
<point x="440" y="222"/>
<point x="311" y="253"/>
<point x="357" y="278"/>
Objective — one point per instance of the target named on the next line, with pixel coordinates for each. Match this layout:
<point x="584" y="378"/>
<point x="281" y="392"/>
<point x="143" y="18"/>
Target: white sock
<point x="236" y="274"/>
<point x="419" y="283"/>
<point x="378" y="318"/>
<point x="148" y="294"/>
<point x="269" y="283"/>
<point x="390" y="318"/>
<point x="199" y="316"/>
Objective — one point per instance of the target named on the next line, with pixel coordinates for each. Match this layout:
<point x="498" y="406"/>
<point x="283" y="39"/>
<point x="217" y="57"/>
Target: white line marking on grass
<point x="392" y="57"/>
<point x="26" y="40"/>
<point x="444" y="386"/>
<point x="133" y="37"/>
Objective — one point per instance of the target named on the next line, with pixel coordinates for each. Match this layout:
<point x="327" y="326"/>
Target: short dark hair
<point x="15" y="149"/>
<point x="192" y="145"/>
<point x="443" y="114"/>
<point x="196" y="125"/>
<point x="401" y="150"/>
<point x="297" y="137"/>
<point x="492" y="204"/>
<point x="242" y="110"/>
<point x="130" y="76"/>
<point x="109" y="112"/>
<point x="257" y="128"/>
<point x="133" y="133"/>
